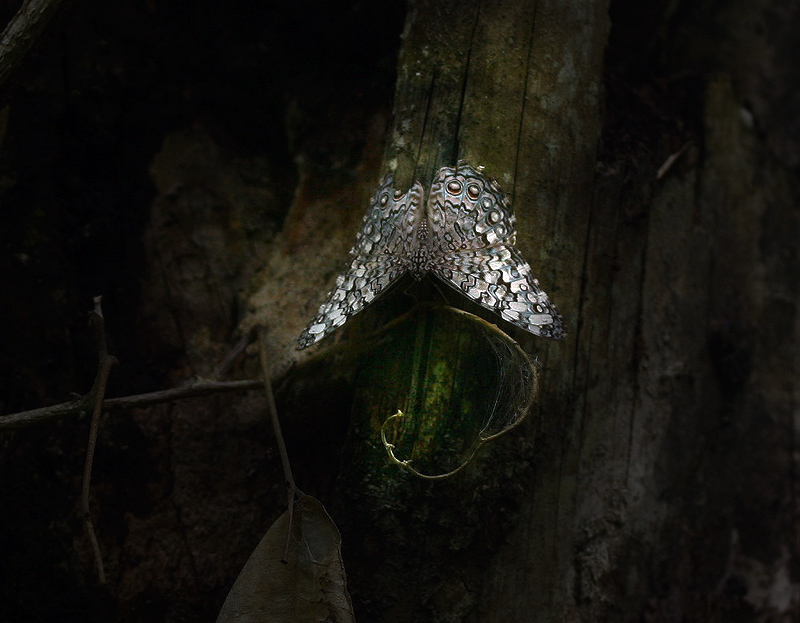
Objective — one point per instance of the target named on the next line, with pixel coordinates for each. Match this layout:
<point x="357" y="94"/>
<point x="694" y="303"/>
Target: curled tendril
<point x="406" y="463"/>
<point x="517" y="379"/>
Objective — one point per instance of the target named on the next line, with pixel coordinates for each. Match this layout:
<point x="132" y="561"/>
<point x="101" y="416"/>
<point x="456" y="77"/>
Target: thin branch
<point x="22" y="32"/>
<point x="78" y="406"/>
<point x="662" y="171"/>
<point x="196" y="389"/>
<point x="273" y="410"/>
<point x="83" y="404"/>
<point x="233" y="354"/>
<point x="276" y="425"/>
<point x="105" y="363"/>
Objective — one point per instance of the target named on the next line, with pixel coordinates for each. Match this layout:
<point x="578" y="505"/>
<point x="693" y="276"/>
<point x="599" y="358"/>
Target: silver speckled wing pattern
<point x="465" y="236"/>
<point x="474" y="237"/>
<point x="382" y="254"/>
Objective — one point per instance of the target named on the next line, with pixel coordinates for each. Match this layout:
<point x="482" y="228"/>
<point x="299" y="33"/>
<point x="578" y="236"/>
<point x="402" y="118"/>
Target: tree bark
<point x="513" y="86"/>
<point x="623" y="503"/>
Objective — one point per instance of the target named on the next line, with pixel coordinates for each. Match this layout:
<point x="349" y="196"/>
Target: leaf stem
<point x="293" y="491"/>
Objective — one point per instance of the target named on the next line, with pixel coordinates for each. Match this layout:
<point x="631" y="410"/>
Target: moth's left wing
<point x="381" y="256"/>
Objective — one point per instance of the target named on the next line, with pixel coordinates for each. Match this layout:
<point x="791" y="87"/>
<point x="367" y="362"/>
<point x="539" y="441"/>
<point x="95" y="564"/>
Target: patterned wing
<point x="381" y="256"/>
<point x="473" y="232"/>
<point x="499" y="279"/>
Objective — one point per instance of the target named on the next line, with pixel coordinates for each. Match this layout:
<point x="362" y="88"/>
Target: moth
<point x="464" y="234"/>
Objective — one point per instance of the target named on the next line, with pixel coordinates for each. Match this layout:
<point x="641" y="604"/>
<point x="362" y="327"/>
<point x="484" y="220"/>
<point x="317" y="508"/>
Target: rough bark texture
<point x="205" y="166"/>
<point x="513" y="86"/>
<point x="21" y="33"/>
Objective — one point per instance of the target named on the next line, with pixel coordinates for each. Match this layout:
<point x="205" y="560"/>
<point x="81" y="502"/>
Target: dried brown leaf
<point x="310" y="587"/>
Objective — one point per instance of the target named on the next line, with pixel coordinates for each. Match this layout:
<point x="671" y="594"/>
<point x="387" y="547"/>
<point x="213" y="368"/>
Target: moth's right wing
<point x="474" y="233"/>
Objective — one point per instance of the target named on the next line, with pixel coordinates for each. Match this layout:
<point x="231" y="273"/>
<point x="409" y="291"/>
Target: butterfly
<point x="464" y="235"/>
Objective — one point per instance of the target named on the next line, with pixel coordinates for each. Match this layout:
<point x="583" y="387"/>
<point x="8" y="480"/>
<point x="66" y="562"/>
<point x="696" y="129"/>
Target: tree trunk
<point x="513" y="86"/>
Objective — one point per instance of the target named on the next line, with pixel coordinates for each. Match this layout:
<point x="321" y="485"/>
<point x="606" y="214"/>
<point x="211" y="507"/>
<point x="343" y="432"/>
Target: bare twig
<point x="105" y="363"/>
<point x="232" y="355"/>
<point x="276" y="425"/>
<point x="673" y="158"/>
<point x="83" y="404"/>
<point x="196" y="389"/>
<point x="95" y="402"/>
<point x="22" y="32"/>
<point x="78" y="406"/>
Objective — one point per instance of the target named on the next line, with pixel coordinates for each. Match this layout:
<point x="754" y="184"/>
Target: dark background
<point x="263" y="82"/>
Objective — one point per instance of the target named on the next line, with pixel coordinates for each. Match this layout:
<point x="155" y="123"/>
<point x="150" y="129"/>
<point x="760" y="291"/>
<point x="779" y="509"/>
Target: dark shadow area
<point x="83" y="119"/>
